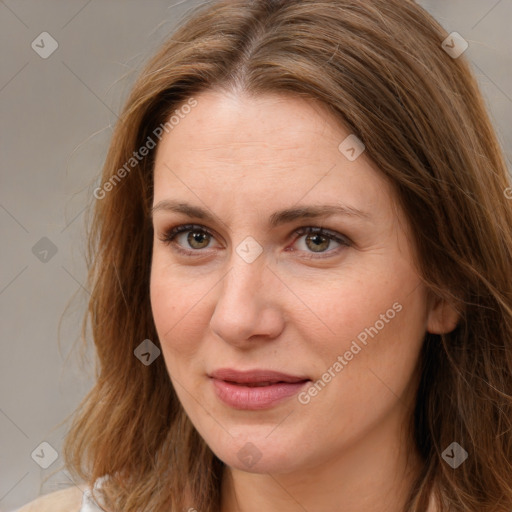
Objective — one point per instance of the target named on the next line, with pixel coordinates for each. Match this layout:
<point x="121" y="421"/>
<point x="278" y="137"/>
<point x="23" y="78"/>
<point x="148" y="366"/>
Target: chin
<point x="260" y="453"/>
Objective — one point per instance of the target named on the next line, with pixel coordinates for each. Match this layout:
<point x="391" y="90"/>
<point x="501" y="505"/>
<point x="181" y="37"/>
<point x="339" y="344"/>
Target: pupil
<point x="318" y="245"/>
<point x="196" y="237"/>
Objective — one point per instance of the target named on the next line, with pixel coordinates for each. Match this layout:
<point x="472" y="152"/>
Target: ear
<point x="442" y="317"/>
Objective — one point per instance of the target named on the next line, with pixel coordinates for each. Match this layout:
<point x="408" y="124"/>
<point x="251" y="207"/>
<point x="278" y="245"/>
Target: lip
<point x="255" y="376"/>
<point x="234" y="388"/>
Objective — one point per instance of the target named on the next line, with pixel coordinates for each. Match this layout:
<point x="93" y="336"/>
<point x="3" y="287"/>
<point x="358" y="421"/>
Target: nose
<point x="247" y="305"/>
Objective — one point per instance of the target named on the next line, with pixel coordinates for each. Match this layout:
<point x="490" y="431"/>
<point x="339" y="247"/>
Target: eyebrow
<point x="276" y="219"/>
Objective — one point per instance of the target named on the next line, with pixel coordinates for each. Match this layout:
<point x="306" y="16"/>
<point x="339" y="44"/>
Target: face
<point x="339" y="314"/>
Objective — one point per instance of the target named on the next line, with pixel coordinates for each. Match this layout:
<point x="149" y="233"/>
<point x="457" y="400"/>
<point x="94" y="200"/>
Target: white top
<point x="88" y="502"/>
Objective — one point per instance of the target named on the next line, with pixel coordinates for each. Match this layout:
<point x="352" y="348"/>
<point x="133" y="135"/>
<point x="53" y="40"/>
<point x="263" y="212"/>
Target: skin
<point x="242" y="159"/>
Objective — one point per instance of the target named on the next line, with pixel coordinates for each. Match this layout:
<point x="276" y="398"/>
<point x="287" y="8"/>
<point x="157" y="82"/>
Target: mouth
<point x="255" y="377"/>
<point x="260" y="384"/>
<point x="255" y="389"/>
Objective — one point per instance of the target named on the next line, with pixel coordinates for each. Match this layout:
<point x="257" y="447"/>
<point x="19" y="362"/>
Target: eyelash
<point x="169" y="236"/>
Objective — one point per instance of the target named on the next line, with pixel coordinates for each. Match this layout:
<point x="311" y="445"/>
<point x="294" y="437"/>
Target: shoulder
<point x="66" y="500"/>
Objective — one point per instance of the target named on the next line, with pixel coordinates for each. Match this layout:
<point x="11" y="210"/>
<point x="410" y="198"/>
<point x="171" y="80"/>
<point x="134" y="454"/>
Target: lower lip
<point x="255" y="398"/>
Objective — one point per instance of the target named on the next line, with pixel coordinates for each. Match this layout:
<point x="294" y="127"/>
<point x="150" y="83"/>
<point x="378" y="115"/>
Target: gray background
<point x="57" y="117"/>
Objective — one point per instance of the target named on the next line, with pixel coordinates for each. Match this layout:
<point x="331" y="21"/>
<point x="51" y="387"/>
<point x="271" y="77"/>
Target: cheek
<point x="389" y="334"/>
<point x="168" y="299"/>
<point x="162" y="291"/>
<point x="360" y="300"/>
<point x="177" y="303"/>
<point x="378" y="355"/>
<point x="376" y="321"/>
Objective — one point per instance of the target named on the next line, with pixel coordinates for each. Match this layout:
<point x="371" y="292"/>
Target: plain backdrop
<point x="57" y="115"/>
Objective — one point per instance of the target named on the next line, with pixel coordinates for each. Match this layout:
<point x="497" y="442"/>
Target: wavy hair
<point x="380" y="67"/>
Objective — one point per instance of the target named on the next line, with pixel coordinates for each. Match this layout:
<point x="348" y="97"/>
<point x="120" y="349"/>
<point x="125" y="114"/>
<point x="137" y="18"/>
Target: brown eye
<point x="318" y="240"/>
<point x="197" y="238"/>
<point x="317" y="243"/>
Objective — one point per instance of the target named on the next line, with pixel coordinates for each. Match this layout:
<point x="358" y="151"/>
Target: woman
<point x="301" y="287"/>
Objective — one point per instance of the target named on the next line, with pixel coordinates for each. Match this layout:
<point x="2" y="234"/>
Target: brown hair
<point x="379" y="66"/>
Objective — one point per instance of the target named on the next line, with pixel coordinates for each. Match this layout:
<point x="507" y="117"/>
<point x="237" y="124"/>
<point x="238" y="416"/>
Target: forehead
<point x="246" y="119"/>
<point x="273" y="147"/>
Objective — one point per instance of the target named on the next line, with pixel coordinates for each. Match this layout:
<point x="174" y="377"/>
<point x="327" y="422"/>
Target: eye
<point x="317" y="239"/>
<point x="197" y="238"/>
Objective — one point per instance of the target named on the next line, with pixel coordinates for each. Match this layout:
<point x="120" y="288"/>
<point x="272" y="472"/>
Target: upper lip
<point x="254" y="376"/>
